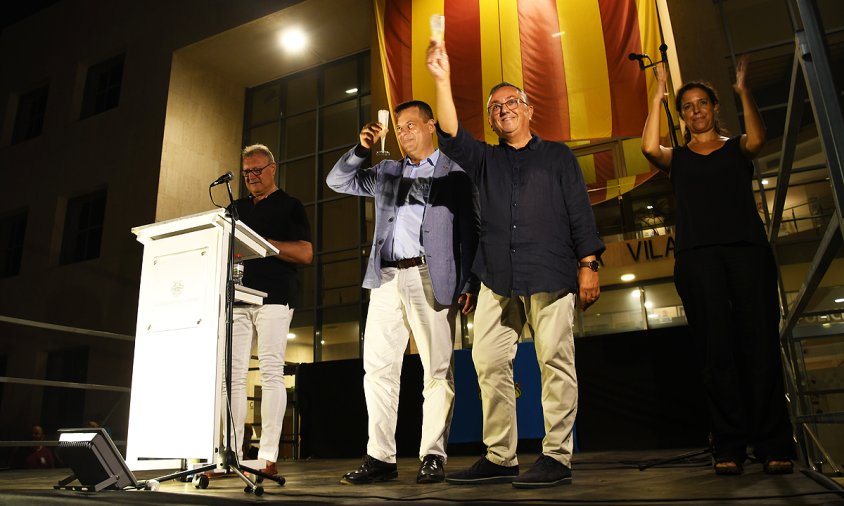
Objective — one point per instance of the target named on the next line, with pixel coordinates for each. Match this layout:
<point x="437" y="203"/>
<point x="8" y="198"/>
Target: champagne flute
<point x="437" y="27"/>
<point x="384" y="120"/>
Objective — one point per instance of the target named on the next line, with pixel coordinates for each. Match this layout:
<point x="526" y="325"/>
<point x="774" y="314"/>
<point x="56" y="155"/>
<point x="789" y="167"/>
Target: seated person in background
<point x="35" y="457"/>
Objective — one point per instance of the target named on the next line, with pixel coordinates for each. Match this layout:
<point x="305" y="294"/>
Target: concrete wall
<point x="202" y="139"/>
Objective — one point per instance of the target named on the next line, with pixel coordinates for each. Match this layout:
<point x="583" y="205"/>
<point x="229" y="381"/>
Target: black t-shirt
<point x="715" y="203"/>
<point x="282" y="218"/>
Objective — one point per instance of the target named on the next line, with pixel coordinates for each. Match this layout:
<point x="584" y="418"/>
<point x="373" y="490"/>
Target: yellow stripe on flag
<point x="491" y="72"/>
<point x="509" y="48"/>
<point x="649" y="35"/>
<point x="627" y="183"/>
<point x="587" y="166"/>
<point x="617" y="187"/>
<point x="422" y="83"/>
<point x="634" y="162"/>
<point x="587" y="81"/>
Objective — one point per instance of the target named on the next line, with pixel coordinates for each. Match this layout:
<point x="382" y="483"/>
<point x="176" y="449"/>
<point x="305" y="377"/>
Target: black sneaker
<point x="371" y="470"/>
<point x="546" y="472"/>
<point x="483" y="472"/>
<point x="432" y="469"/>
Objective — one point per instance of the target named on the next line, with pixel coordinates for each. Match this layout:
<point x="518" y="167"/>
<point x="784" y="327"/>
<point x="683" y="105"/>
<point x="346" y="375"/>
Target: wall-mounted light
<point x="628" y="277"/>
<point x="351" y="91"/>
<point x="764" y="181"/>
<point x="293" y="40"/>
<point x="291" y="335"/>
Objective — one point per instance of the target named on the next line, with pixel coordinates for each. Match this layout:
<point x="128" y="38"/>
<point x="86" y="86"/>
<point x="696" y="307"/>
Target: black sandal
<point x="727" y="467"/>
<point x="778" y="466"/>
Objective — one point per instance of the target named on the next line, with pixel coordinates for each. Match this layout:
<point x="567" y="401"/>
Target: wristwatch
<point x="594" y="265"/>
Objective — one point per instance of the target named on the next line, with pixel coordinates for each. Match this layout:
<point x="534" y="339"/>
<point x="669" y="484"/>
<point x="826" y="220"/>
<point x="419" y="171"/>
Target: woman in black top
<point x="726" y="275"/>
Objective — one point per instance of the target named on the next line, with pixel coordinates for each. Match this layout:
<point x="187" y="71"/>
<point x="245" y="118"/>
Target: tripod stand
<point x="227" y="456"/>
<point x="676" y="458"/>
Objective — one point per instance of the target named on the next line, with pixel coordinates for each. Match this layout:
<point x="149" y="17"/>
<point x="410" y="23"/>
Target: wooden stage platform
<point x="598" y="478"/>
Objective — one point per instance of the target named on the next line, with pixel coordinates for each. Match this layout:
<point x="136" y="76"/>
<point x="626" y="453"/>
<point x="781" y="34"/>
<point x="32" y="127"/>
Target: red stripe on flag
<point x="597" y="195"/>
<point x="604" y="167"/>
<point x="463" y="44"/>
<point x="543" y="73"/>
<point x="628" y="89"/>
<point x="397" y="39"/>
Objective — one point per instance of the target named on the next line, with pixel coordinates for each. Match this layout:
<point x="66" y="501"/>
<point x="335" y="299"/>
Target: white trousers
<point x="270" y="323"/>
<point x="405" y="303"/>
<point x="498" y="323"/>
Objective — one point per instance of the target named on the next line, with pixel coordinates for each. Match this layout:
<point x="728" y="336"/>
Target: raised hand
<point x="370" y="133"/>
<point x="437" y="61"/>
<point x="661" y="81"/>
<point x="741" y="73"/>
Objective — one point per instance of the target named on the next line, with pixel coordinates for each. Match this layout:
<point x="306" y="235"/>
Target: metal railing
<point x="37" y="382"/>
<point x="810" y="78"/>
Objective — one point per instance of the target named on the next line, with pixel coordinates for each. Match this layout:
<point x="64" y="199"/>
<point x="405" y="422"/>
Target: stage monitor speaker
<point x="96" y="464"/>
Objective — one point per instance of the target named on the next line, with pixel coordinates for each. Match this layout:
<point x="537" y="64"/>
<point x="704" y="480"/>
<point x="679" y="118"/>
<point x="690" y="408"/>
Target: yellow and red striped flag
<point x="570" y="57"/>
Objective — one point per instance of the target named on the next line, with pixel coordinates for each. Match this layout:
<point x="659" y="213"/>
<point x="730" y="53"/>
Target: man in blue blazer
<point x="426" y="234"/>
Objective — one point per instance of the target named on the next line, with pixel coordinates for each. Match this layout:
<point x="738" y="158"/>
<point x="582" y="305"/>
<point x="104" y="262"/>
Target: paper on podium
<point x="248" y="295"/>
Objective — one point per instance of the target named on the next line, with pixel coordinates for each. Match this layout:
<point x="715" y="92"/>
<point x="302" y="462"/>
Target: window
<point x="83" y="227"/>
<point x="102" y="86"/>
<point x="12" y="230"/>
<point x="29" y="119"/>
<point x="309" y="120"/>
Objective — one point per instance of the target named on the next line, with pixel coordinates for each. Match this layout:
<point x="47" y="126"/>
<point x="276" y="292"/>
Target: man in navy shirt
<point x="538" y="249"/>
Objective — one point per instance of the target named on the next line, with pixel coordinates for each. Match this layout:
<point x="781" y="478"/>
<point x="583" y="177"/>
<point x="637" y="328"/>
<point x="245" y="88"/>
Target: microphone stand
<point x="228" y="457"/>
<point x="663" y="49"/>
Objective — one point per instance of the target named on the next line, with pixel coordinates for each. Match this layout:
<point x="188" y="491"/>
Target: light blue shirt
<point x="405" y="240"/>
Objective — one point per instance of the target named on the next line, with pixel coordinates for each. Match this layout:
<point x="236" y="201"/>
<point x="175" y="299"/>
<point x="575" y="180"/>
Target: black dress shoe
<point x="546" y="472"/>
<point x="482" y="472"/>
<point x="432" y="469"/>
<point x="370" y="470"/>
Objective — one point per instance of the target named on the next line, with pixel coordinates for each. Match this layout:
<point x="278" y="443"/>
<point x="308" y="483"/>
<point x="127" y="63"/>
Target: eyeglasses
<point x="511" y="103"/>
<point x="256" y="171"/>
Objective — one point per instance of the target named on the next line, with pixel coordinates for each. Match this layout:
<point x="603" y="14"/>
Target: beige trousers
<point x="498" y="324"/>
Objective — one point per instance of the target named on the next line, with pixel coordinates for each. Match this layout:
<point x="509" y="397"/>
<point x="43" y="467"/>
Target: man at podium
<point x="281" y="220"/>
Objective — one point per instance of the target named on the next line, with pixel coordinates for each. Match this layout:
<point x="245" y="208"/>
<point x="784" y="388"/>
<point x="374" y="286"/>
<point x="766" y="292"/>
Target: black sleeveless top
<point x="715" y="203"/>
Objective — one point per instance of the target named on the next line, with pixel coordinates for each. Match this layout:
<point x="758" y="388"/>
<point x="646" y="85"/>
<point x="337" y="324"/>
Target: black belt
<point x="405" y="263"/>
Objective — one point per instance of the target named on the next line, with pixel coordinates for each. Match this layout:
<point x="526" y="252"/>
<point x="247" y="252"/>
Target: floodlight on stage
<point x="96" y="464"/>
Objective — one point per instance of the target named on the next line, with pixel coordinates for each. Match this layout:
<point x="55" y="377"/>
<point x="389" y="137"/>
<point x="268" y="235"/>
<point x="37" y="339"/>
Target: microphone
<point x="636" y="56"/>
<point x="225" y="178"/>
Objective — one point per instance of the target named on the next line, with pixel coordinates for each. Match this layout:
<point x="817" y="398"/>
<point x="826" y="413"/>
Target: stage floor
<point x="598" y="478"/>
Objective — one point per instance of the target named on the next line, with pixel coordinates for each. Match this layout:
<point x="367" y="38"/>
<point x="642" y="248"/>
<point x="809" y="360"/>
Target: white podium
<point x="180" y="338"/>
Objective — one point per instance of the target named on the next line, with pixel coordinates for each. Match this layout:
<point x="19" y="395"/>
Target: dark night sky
<point x="13" y="11"/>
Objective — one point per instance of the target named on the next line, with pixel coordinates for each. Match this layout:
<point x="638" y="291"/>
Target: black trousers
<point x="730" y="296"/>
